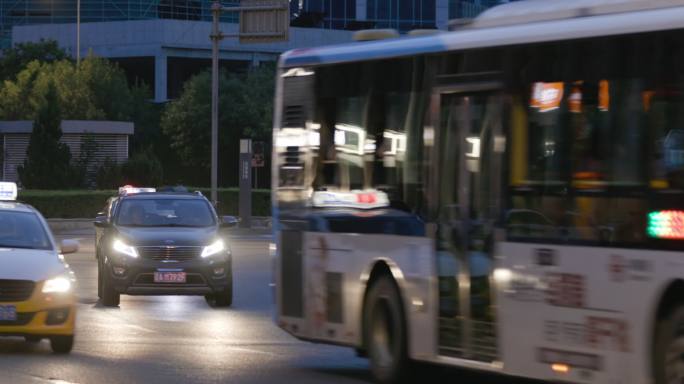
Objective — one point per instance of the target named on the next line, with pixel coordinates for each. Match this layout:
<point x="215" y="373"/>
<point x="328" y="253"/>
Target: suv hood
<point x="167" y="236"/>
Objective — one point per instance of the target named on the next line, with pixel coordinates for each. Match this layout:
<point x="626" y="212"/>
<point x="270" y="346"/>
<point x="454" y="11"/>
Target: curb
<point x="61" y="225"/>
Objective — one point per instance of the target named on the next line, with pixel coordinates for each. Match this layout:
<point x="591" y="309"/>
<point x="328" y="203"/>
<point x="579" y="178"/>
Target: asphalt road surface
<point x="168" y="339"/>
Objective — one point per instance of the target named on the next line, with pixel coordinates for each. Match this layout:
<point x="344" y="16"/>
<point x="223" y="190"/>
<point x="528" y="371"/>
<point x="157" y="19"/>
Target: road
<point x="167" y="339"/>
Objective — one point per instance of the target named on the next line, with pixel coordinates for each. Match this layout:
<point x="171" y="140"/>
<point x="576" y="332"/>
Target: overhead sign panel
<point x="264" y="21"/>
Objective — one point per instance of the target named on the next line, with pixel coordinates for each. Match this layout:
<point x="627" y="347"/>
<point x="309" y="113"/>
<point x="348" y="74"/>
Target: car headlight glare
<point x="121" y="247"/>
<point x="57" y="285"/>
<point x="216" y="247"/>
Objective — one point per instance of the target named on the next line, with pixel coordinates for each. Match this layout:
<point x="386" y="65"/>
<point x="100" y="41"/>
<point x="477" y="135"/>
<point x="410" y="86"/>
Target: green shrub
<point x="83" y="204"/>
<point x="108" y="175"/>
<point x="144" y="168"/>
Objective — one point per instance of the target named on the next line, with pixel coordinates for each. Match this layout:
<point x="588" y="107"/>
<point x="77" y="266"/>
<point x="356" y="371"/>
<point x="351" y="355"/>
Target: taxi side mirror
<point x="229" y="221"/>
<point x="68" y="246"/>
<point x="101" y="222"/>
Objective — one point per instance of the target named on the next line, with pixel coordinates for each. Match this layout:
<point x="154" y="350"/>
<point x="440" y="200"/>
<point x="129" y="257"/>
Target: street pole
<point x="254" y="25"/>
<point x="78" y="33"/>
<point x="215" y="39"/>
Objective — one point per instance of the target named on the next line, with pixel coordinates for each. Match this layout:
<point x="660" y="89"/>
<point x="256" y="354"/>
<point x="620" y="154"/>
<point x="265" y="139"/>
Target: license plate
<point x="169" y="277"/>
<point x="8" y="313"/>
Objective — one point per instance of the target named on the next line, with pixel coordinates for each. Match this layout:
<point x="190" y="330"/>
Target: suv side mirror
<point x="229" y="221"/>
<point x="68" y="246"/>
<point x="101" y="222"/>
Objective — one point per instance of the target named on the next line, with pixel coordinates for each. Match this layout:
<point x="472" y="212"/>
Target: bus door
<point x="468" y="148"/>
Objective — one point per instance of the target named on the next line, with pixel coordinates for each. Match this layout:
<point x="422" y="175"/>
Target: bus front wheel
<point x="385" y="332"/>
<point x="669" y="347"/>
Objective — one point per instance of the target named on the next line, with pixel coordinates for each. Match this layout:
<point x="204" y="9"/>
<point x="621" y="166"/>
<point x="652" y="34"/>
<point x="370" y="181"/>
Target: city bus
<point x="505" y="197"/>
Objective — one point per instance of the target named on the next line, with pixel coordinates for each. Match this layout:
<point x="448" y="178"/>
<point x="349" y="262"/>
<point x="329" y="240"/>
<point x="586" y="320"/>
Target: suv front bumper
<point x="203" y="276"/>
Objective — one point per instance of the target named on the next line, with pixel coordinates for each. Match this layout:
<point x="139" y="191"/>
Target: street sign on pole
<point x="245" y="172"/>
<point x="264" y="21"/>
<point x="261" y="21"/>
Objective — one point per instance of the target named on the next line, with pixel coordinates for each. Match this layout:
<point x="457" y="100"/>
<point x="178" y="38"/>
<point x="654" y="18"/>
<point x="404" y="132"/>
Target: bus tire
<point x="668" y="356"/>
<point x="385" y="332"/>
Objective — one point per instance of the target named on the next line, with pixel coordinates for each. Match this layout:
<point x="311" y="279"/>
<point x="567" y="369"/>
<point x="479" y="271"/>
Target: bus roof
<point x="594" y="19"/>
<point x="532" y="11"/>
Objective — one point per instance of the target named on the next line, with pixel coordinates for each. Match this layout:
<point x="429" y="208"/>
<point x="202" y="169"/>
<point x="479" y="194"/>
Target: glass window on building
<point x="336" y="14"/>
<point x="403" y="15"/>
<point x="467" y="9"/>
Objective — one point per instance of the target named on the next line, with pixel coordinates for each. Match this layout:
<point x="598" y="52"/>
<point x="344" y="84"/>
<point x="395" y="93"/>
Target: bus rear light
<point x="560" y="368"/>
<point x="561" y="361"/>
<point x="666" y="225"/>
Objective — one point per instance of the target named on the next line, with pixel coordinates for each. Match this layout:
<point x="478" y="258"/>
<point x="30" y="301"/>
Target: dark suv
<point x="163" y="244"/>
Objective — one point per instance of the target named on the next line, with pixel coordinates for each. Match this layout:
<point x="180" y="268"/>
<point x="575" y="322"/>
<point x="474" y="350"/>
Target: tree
<point x="85" y="165"/>
<point x="16" y="58"/>
<point x="97" y="90"/>
<point x="143" y="168"/>
<point x="109" y="175"/>
<point x="47" y="165"/>
<point x="246" y="105"/>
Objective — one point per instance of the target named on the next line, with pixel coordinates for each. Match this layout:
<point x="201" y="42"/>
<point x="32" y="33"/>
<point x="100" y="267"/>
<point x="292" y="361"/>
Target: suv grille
<point x="170" y="253"/>
<point x="15" y="290"/>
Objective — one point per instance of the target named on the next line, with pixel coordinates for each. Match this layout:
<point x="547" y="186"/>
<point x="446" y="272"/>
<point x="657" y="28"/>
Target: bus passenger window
<point x="370" y="131"/>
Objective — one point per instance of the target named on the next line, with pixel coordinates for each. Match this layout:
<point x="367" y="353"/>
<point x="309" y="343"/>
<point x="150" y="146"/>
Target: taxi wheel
<point x="62" y="344"/>
<point x="110" y="297"/>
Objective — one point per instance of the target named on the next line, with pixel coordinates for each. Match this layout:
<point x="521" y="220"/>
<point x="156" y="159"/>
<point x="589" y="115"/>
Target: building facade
<point x="403" y="15"/>
<point x="330" y="14"/>
<point x="29" y="12"/>
<point x="163" y="43"/>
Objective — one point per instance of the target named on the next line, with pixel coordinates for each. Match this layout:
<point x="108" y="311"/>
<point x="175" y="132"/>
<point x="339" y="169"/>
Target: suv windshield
<point x="165" y="213"/>
<point x="22" y="230"/>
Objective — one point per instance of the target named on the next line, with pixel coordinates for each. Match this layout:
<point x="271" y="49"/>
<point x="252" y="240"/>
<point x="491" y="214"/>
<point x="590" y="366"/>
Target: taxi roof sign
<point x="366" y="199"/>
<point x="8" y="191"/>
<point x="131" y="190"/>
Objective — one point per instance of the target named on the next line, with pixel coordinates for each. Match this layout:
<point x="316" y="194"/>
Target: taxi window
<point x="165" y="213"/>
<point x="22" y="230"/>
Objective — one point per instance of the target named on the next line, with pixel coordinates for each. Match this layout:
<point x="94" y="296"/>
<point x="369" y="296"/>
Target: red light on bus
<point x="366" y="198"/>
<point x="666" y="225"/>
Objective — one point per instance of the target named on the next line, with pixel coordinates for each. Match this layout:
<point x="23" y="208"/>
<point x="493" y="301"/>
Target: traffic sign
<point x="258" y="159"/>
<point x="264" y="21"/>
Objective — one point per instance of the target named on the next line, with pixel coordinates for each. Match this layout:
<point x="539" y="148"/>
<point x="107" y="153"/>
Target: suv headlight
<point x="121" y="247"/>
<point x="217" y="247"/>
<point x="60" y="284"/>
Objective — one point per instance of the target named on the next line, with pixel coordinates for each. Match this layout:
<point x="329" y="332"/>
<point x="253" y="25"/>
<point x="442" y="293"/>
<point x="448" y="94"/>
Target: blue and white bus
<point x="507" y="197"/>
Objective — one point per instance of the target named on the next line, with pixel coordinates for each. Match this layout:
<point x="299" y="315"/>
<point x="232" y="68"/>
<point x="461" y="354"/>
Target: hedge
<point x="76" y="204"/>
